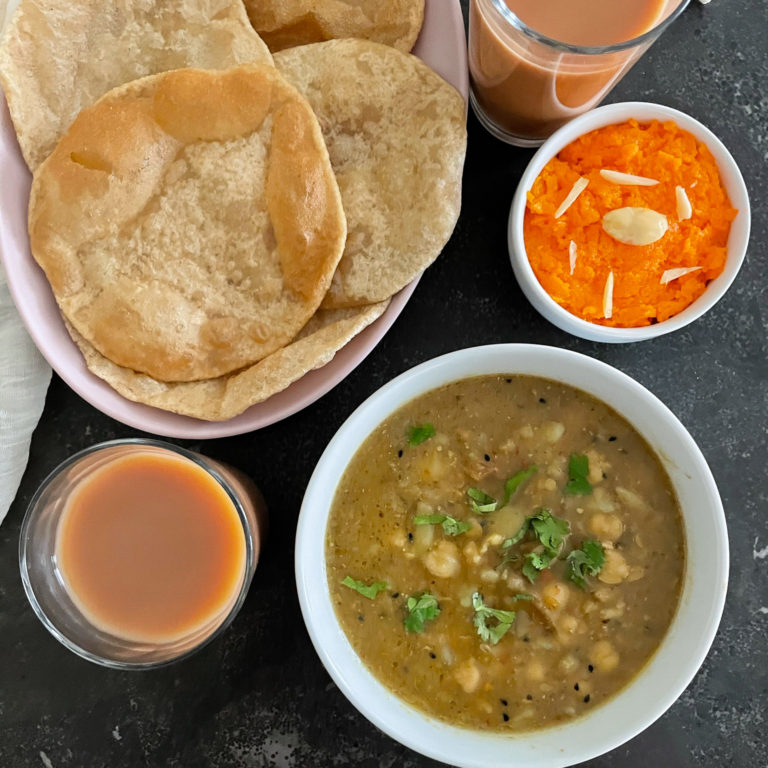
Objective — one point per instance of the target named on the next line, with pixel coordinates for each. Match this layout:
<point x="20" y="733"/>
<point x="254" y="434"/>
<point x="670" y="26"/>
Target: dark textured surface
<point x="259" y="696"/>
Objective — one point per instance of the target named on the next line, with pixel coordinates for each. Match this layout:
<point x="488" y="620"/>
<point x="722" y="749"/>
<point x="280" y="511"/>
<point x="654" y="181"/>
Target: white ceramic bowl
<point x="598" y="118"/>
<point x="659" y="683"/>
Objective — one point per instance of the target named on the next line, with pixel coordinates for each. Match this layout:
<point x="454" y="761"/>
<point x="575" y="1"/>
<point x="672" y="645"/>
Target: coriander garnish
<point x="550" y="531"/>
<point x="578" y="469"/>
<point x="516" y="481"/>
<point x="483" y="613"/>
<point x="587" y="561"/>
<point x="451" y="526"/>
<point x="421" y="609"/>
<point x="481" y="502"/>
<point x="419" y="433"/>
<point x="366" y="590"/>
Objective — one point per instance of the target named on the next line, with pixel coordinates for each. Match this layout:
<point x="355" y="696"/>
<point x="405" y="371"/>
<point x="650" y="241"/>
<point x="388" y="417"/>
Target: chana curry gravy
<point x="505" y="552"/>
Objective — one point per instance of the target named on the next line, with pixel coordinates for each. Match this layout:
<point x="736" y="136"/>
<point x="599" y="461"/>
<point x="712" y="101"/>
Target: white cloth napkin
<point x="24" y="379"/>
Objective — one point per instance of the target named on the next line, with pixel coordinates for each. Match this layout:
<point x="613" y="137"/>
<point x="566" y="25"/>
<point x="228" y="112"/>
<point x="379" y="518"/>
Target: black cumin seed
<point x="576" y="687"/>
<point x="605" y="477"/>
<point x="432" y="655"/>
<point x="505" y="717"/>
<point x="360" y="617"/>
<point x="529" y="697"/>
<point x="542" y="399"/>
<point x="410" y="537"/>
<point x="591" y="668"/>
<point x="611" y="438"/>
<point x="395" y="595"/>
<point x="586" y="699"/>
<point x="487" y="457"/>
<point x="400" y="454"/>
<point x="504" y="702"/>
<point x="509" y="381"/>
<point x="526" y="639"/>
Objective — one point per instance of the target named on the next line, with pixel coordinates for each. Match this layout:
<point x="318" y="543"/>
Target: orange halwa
<point x="655" y="150"/>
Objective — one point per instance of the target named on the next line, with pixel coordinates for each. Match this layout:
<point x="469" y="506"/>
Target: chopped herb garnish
<point x="516" y="481"/>
<point x="535" y="562"/>
<point x="481" y="502"/>
<point x="578" y="469"/>
<point x="451" y="526"/>
<point x="587" y="561"/>
<point x="366" y="590"/>
<point x="483" y="613"/>
<point x="421" y="609"/>
<point x="550" y="531"/>
<point x="418" y="434"/>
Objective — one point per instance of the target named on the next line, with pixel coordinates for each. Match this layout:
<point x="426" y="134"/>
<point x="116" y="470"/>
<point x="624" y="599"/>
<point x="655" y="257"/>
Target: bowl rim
<point x="612" y="114"/>
<point x="700" y="608"/>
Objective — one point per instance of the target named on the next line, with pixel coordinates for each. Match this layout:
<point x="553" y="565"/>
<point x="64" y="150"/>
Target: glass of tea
<point x="135" y="553"/>
<point x="536" y="64"/>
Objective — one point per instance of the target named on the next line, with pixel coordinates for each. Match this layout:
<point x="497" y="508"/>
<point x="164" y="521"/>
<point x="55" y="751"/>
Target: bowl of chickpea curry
<point x="512" y="555"/>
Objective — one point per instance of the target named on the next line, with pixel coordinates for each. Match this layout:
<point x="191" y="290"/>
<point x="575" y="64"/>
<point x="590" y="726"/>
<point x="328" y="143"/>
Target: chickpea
<point x="535" y="671"/>
<point x="443" y="561"/>
<point x="606" y="526"/>
<point x="568" y="663"/>
<point x="597" y="466"/>
<point x="615" y="569"/>
<point x="489" y="575"/>
<point x="569" y="624"/>
<point x="604" y="656"/>
<point x="467" y="675"/>
<point x="555" y="595"/>
<point x="471" y="553"/>
<point x="553" y="431"/>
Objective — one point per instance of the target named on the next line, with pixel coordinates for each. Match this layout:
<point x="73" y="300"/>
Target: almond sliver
<point x="572" y="254"/>
<point x="684" y="208"/>
<point x="578" y="187"/>
<point x="608" y="297"/>
<point x="617" y="177"/>
<point x="672" y="274"/>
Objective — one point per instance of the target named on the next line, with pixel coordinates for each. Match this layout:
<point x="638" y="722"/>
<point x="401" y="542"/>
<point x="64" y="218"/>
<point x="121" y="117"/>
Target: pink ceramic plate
<point x="441" y="45"/>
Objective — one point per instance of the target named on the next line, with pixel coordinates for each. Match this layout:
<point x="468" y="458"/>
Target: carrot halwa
<point x="575" y="275"/>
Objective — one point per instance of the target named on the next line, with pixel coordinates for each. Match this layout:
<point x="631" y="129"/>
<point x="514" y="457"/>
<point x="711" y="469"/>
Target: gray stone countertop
<point x="258" y="696"/>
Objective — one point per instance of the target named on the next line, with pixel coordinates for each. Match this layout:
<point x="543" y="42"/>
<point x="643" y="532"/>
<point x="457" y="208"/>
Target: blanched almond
<point x="578" y="187"/>
<point x="572" y="253"/>
<point x="635" y="226"/>
<point x="672" y="274"/>
<point x="608" y="297"/>
<point x="617" y="177"/>
<point x="684" y="208"/>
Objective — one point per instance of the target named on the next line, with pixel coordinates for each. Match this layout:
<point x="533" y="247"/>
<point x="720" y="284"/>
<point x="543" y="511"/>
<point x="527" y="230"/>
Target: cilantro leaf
<point x="535" y="562"/>
<point x="587" y="561"/>
<point x="421" y="609"/>
<point x="578" y="469"/>
<point x="514" y="482"/>
<point x="512" y="540"/>
<point x="419" y="433"/>
<point x="483" y="613"/>
<point x="481" y="502"/>
<point x="550" y="530"/>
<point x="451" y="526"/>
<point x="369" y="591"/>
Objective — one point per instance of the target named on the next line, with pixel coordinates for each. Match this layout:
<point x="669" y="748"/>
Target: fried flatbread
<point x="396" y="135"/>
<point x="190" y="223"/>
<point x="59" y="56"/>
<point x="227" y="396"/>
<point x="287" y="23"/>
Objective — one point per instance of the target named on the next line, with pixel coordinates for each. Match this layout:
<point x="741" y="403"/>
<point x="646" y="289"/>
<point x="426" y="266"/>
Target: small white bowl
<point x="612" y="114"/>
<point x="657" y="685"/>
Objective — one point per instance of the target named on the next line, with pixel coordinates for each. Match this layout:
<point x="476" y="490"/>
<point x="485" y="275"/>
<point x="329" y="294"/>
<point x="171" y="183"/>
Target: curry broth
<point x="568" y="649"/>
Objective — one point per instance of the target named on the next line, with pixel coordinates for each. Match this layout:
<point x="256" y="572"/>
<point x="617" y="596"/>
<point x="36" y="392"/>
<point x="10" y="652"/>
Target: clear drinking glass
<point x="524" y="85"/>
<point x="44" y="583"/>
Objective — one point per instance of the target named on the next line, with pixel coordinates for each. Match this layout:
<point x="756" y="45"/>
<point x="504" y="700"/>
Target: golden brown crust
<point x="396" y="136"/>
<point x="288" y="23"/>
<point x="59" y="56"/>
<point x="173" y="253"/>
<point x="227" y="396"/>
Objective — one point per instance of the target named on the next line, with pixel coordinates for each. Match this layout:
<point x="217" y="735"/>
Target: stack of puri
<point x="215" y="220"/>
